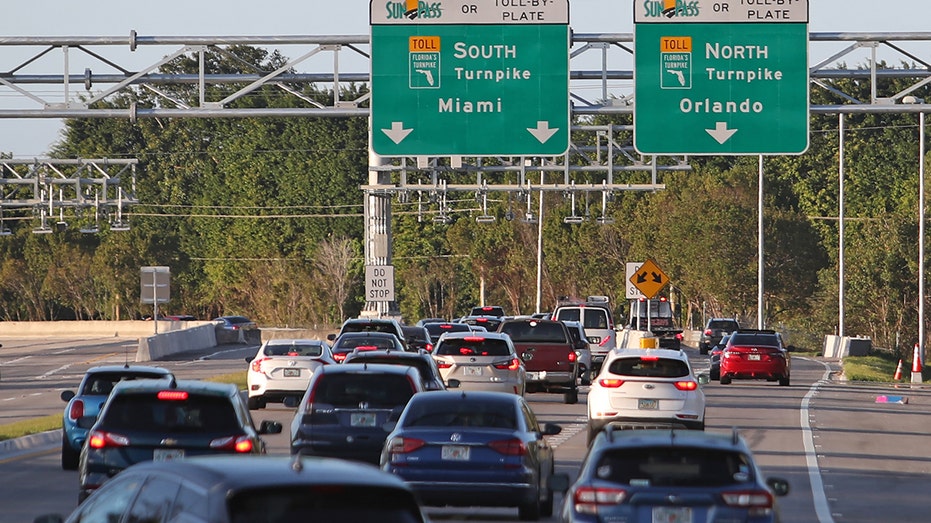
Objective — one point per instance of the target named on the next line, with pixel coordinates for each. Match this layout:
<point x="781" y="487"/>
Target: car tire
<point x="702" y="350"/>
<point x="256" y="402"/>
<point x="69" y="456"/>
<point x="714" y="375"/>
<point x="725" y="380"/>
<point x="784" y="382"/>
<point x="546" y="508"/>
<point x="529" y="511"/>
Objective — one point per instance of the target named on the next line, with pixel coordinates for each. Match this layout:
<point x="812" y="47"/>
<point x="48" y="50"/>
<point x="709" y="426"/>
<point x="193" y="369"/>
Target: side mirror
<point x="66" y="395"/>
<point x="270" y="427"/>
<point x="550" y="429"/>
<point x="331" y="337"/>
<point x="704" y="379"/>
<point x="779" y="486"/>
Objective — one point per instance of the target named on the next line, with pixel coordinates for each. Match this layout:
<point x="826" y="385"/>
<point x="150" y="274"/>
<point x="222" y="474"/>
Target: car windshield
<point x="323" y="503"/>
<point x="294" y="349"/>
<point x="171" y="410"/>
<point x="535" y="331"/>
<point x="472" y="346"/>
<point x="349" y="389"/>
<point x="650" y="367"/>
<point x="462" y="414"/>
<point x="674" y="466"/>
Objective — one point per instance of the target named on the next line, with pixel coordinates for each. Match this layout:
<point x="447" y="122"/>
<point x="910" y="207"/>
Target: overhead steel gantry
<point x="94" y="69"/>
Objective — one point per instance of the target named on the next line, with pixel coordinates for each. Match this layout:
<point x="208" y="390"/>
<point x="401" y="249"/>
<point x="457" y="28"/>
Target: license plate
<point x="672" y="515"/>
<point x="362" y="419"/>
<point x="167" y="454"/>
<point x="292" y="373"/>
<point x="645" y="404"/>
<point x="472" y="370"/>
<point x="455" y="452"/>
<point x="753" y="357"/>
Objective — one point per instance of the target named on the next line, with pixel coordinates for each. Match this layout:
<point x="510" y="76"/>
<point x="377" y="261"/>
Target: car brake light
<point x="366" y="347"/>
<point x="99" y="439"/>
<point x="588" y="499"/>
<point x="443" y="364"/>
<point x="76" y="410"/>
<point x="257" y="364"/>
<point x="474" y="339"/>
<point x="402" y="445"/>
<point x="513" y="364"/>
<point x="686" y="385"/>
<point x="172" y="395"/>
<point x="759" y="502"/>
<point x="509" y="447"/>
<point x="649" y="358"/>
<point x="707" y="332"/>
<point x="610" y="383"/>
<point x="679" y="336"/>
<point x="573" y="356"/>
<point x="240" y="444"/>
<point x="429" y="347"/>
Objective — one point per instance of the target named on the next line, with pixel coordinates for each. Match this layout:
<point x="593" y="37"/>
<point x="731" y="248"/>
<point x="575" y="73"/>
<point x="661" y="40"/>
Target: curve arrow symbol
<point x="542" y="131"/>
<point x="397" y="133"/>
<point x="720" y="132"/>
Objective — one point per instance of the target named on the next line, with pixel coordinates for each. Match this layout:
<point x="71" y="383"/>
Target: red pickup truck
<point x="546" y="349"/>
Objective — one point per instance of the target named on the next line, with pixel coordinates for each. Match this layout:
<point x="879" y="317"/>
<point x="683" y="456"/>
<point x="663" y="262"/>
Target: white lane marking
<point x="822" y="507"/>
<point x="17" y="360"/>
<point x="53" y="371"/>
<point x="568" y="431"/>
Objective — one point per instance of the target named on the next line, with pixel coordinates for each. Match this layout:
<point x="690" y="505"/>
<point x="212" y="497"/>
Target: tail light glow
<point x="257" y="364"/>
<point x="98" y="439"/>
<point x="610" y="383"/>
<point x="239" y="444"/>
<point x="588" y="499"/>
<point x="76" y="410"/>
<point x="573" y="356"/>
<point x="473" y="339"/>
<point x="443" y="364"/>
<point x="686" y="385"/>
<point x="172" y="395"/>
<point x="512" y="364"/>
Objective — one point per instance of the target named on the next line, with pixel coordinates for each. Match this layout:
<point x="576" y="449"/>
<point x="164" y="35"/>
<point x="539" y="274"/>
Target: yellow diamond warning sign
<point x="649" y="279"/>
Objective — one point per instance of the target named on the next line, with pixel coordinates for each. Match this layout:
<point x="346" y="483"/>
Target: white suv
<point x="646" y="388"/>
<point x="595" y="316"/>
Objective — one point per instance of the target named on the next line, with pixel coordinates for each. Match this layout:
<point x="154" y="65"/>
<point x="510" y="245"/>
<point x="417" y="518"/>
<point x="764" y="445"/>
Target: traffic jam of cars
<point x="437" y="414"/>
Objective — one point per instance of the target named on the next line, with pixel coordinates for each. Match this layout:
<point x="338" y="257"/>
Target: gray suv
<point x="714" y="330"/>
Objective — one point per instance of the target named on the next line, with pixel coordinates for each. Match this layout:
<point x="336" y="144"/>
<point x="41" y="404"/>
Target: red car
<point x="756" y="355"/>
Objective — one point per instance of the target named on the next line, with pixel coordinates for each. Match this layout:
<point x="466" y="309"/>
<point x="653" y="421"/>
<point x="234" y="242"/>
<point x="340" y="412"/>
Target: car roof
<point x="232" y="472"/>
<point x="383" y="368"/>
<point x="393" y="353"/>
<point x="479" y="396"/>
<point x="370" y="320"/>
<point x="473" y="334"/>
<point x="199" y="386"/>
<point x="662" y="353"/>
<point x="294" y="341"/>
<point x="372" y="334"/>
<point x="128" y="368"/>
<point x="674" y="437"/>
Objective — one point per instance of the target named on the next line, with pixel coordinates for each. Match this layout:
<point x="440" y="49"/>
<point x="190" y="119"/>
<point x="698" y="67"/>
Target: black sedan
<point x="474" y="449"/>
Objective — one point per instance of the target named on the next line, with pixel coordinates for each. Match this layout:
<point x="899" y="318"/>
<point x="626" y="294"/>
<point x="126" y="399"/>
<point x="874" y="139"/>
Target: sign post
<point x="470" y="78"/>
<point x="154" y="288"/>
<point x="714" y="77"/>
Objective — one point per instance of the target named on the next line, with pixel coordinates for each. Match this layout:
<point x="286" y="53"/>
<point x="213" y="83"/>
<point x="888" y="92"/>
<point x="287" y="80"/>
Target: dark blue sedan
<point x="474" y="448"/>
<point x="649" y="476"/>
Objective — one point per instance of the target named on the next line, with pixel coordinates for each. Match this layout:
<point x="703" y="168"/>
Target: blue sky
<point x="32" y="137"/>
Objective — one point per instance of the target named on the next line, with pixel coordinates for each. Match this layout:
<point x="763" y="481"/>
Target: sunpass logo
<point x="670" y="8"/>
<point x="414" y="9"/>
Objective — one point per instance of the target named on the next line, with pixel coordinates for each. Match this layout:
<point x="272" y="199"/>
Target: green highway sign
<point x="470" y="77"/>
<point x="713" y="77"/>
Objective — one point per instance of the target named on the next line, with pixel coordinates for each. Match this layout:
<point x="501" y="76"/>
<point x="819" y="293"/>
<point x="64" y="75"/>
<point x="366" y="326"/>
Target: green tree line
<point x="264" y="217"/>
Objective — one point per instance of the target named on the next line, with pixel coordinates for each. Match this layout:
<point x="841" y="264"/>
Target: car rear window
<point x="492" y="414"/>
<point x="674" y="466"/>
<point x="569" y="314"/>
<point x="350" y="389"/>
<point x="472" y="346"/>
<point x="488" y="310"/>
<point x="186" y="412"/>
<point x="535" y="331"/>
<point x="102" y="383"/>
<point x="377" y="326"/>
<point x="366" y="341"/>
<point x="437" y="329"/>
<point x="297" y="349"/>
<point x="649" y="367"/>
<point x="595" y="319"/>
<point x="728" y="325"/>
<point x="423" y="366"/>
<point x="326" y="502"/>
<point x="769" y="340"/>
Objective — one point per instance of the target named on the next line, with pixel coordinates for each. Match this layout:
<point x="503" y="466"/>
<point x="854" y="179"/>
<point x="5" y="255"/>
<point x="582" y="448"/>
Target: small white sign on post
<point x="379" y="283"/>
<point x="633" y="293"/>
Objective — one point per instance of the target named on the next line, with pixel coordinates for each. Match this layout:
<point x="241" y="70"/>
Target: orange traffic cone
<point x="898" y="371"/>
<point x="916" y="365"/>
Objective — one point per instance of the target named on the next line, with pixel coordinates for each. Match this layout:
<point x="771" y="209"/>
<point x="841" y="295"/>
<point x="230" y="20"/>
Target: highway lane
<point x="864" y="458"/>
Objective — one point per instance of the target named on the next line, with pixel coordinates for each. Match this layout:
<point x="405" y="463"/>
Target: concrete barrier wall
<point x="71" y="329"/>
<point x="161" y="345"/>
<point x="843" y="346"/>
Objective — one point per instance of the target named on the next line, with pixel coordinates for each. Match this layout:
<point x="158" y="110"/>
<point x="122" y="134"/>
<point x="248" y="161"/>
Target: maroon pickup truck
<point x="546" y="349"/>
